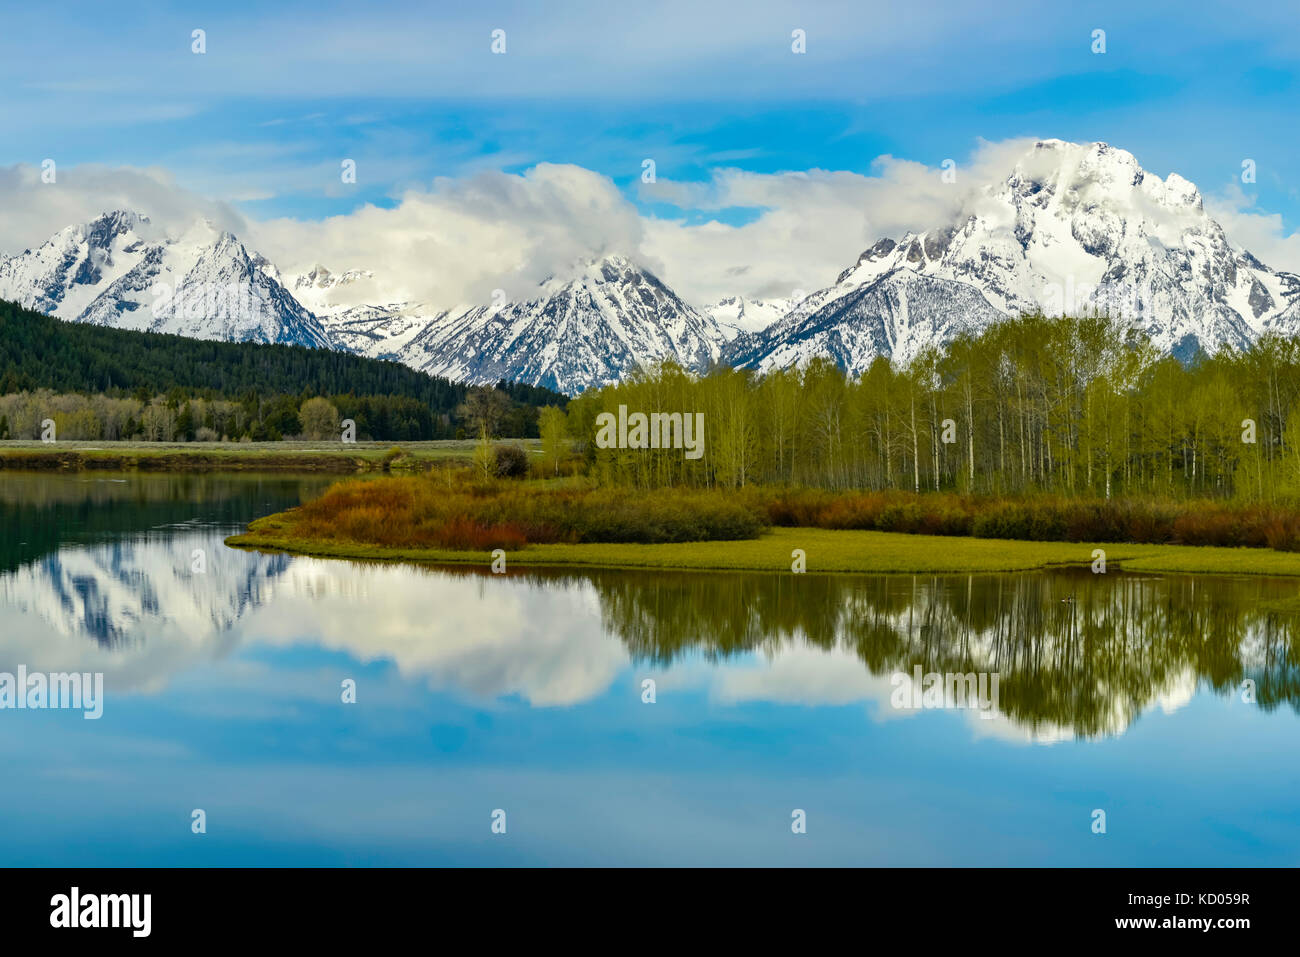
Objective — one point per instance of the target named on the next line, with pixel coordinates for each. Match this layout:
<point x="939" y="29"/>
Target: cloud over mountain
<point x="553" y="276"/>
<point x="455" y="241"/>
<point x="460" y="240"/>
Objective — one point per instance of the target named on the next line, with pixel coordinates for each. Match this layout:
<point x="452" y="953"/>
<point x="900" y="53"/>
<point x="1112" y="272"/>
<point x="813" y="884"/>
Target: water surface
<point x="524" y="693"/>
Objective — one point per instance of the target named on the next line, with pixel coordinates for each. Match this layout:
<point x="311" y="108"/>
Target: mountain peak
<point x="591" y="325"/>
<point x="107" y="226"/>
<point x="1074" y="227"/>
<point x="1074" y="174"/>
<point x="315" y="276"/>
<point x="205" y="285"/>
<point x="1181" y="191"/>
<point x="598" y="270"/>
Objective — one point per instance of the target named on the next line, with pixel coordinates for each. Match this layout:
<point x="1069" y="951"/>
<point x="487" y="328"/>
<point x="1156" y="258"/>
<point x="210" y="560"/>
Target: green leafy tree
<point x="484" y="457"/>
<point x="319" y="419"/>
<point x="554" y="427"/>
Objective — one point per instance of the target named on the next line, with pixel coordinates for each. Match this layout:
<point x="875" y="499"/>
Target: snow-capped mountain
<point x="374" y="331"/>
<point x="737" y="315"/>
<point x="116" y="271"/>
<point x="313" y="287"/>
<point x="1073" y="227"/>
<point x="579" y="332"/>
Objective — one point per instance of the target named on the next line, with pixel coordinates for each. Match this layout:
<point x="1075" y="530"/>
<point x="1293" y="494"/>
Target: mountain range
<point x="1072" y="227"/>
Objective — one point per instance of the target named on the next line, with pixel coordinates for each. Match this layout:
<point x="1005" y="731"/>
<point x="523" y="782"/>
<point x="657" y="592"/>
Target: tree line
<point x="100" y="383"/>
<point x="1074" y="406"/>
<point x="176" y="417"/>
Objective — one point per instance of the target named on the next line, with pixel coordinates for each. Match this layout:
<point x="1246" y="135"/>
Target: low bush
<point x="424" y="512"/>
<point x="509" y="461"/>
<point x="1040" y="518"/>
<point x="459" y="509"/>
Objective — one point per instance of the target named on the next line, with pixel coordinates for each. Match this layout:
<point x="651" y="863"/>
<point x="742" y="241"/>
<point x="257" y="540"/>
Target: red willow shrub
<point x="419" y="511"/>
<point x="462" y="533"/>
<point x="1282" y="532"/>
<point x="1040" y="518"/>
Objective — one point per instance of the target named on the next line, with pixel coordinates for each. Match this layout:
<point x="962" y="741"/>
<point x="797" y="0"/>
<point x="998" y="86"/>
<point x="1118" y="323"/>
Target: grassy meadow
<point x="293" y="456"/>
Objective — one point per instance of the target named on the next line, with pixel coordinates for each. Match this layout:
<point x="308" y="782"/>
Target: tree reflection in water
<point x="1073" y="649"/>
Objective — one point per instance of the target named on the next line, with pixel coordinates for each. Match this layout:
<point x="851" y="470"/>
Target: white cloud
<point x="461" y="239"/>
<point x="491" y="638"/>
<point x="31" y="211"/>
<point x="1259" y="232"/>
<point x="457" y="240"/>
<point x="814" y="224"/>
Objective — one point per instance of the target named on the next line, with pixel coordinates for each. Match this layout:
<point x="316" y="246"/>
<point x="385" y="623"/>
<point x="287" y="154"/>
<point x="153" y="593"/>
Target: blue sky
<point x="415" y="96"/>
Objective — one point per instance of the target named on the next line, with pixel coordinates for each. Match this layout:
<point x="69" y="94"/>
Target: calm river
<point x="1168" y="703"/>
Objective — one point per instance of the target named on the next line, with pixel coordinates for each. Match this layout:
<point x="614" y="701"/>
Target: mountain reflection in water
<point x="1078" y="655"/>
<point x="223" y="671"/>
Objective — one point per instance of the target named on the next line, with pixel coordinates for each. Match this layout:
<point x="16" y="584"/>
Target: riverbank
<point x="571" y="522"/>
<point x="825" y="551"/>
<point x="333" y="457"/>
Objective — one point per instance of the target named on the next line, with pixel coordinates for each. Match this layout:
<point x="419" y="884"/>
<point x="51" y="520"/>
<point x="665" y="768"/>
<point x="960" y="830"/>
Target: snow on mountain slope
<point x="112" y="594"/>
<point x="737" y="316"/>
<point x="115" y="271"/>
<point x="895" y="315"/>
<point x="375" y="331"/>
<point x="379" y="332"/>
<point x="1073" y="227"/>
<point x="580" y="332"/>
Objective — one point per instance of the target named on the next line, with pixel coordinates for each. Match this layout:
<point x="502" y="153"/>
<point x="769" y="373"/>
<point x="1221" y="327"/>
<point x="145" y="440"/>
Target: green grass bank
<point x="825" y="550"/>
